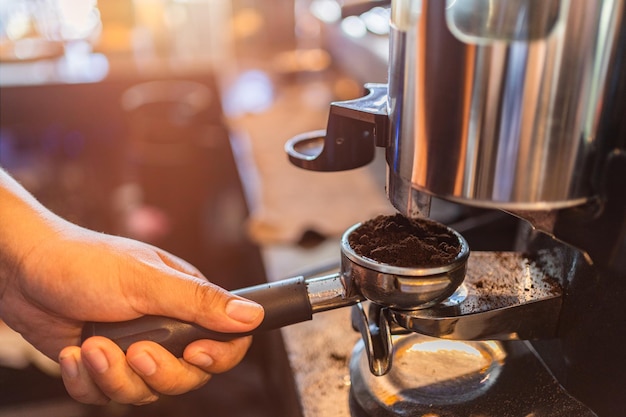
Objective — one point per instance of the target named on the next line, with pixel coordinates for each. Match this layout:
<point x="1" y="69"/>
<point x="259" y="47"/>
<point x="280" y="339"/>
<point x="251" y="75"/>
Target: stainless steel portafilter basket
<point x="404" y="288"/>
<point x="295" y="299"/>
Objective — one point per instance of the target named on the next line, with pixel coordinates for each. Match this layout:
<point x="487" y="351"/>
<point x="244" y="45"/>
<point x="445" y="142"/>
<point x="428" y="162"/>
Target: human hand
<point x="69" y="275"/>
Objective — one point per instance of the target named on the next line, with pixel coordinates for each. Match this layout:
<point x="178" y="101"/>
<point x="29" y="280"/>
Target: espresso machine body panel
<point x="498" y="104"/>
<point x="519" y="105"/>
<point x="513" y="105"/>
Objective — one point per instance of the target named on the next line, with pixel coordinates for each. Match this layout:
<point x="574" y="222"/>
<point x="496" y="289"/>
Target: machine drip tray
<point x="444" y="378"/>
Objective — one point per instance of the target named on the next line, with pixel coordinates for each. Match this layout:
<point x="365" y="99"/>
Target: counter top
<point x="319" y="352"/>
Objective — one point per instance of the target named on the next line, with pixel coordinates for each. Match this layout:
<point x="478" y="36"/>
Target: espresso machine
<point x="513" y="105"/>
<point x="518" y="106"/>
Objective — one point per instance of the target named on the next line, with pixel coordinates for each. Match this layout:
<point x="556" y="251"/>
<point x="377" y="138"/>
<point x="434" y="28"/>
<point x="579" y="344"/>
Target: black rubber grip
<point x="285" y="302"/>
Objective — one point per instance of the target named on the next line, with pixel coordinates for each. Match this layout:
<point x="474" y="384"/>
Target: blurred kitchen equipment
<point x="516" y="106"/>
<point x="163" y="199"/>
<point x="162" y="116"/>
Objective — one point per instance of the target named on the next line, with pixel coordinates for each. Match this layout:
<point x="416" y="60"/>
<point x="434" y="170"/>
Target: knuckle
<point x="86" y="396"/>
<point x="207" y="294"/>
<point x="123" y="392"/>
<point x="117" y="391"/>
<point x="186" y="380"/>
<point x="228" y="355"/>
<point x="168" y="386"/>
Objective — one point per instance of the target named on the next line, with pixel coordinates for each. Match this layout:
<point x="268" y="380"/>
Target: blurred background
<point x="165" y="121"/>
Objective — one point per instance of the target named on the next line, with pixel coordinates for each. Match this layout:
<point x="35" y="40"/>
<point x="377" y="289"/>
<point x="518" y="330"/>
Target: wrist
<point x="24" y="222"/>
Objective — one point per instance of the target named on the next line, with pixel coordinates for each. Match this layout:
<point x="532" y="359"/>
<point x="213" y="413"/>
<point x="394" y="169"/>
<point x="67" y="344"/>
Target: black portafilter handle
<point x="285" y="302"/>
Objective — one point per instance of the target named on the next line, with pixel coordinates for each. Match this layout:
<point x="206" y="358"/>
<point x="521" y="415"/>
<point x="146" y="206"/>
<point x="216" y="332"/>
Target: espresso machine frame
<point x="517" y="106"/>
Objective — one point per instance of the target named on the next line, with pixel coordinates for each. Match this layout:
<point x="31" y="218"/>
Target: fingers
<point x="217" y="357"/>
<point x="103" y="375"/>
<point x="98" y="371"/>
<point x="77" y="380"/>
<point x="162" y="372"/>
<point x="167" y="375"/>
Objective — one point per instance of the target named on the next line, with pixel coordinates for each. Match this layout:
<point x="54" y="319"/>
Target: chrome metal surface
<point x="404" y="288"/>
<point x="508" y="116"/>
<point x="508" y="297"/>
<point x="330" y="292"/>
<point x="408" y="200"/>
<point x="376" y="336"/>
<point x="361" y="278"/>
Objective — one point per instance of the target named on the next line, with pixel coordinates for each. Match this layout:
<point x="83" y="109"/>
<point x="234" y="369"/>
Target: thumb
<point x="232" y="311"/>
<point x="189" y="298"/>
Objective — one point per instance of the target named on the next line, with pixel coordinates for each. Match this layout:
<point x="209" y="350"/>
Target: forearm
<point x="23" y="223"/>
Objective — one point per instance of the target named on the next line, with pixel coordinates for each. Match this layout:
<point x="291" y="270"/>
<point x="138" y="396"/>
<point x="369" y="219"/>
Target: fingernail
<point x="97" y="360"/>
<point x="202" y="360"/>
<point x="144" y="363"/>
<point x="148" y="400"/>
<point x="243" y="310"/>
<point x="69" y="366"/>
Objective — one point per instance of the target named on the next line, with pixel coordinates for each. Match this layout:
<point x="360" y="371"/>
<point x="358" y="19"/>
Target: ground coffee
<point x="399" y="241"/>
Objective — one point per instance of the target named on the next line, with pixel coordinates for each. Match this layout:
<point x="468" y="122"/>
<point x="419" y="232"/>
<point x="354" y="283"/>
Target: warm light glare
<point x="252" y="92"/>
<point x="18" y="25"/>
<point x="52" y="20"/>
<point x="328" y="11"/>
<point x="77" y="18"/>
<point x="76" y="12"/>
<point x="377" y="20"/>
<point x="247" y="22"/>
<point x="354" y="27"/>
<point x="445" y="345"/>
